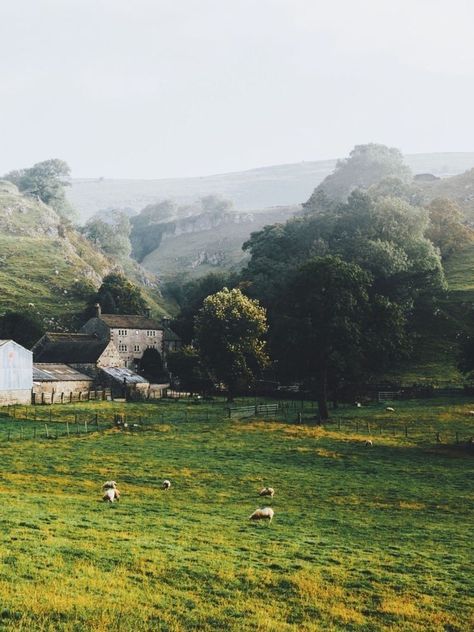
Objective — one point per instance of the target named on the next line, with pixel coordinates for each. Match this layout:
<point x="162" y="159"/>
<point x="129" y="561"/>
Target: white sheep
<point x="267" y="491"/>
<point x="471" y="412"/>
<point x="368" y="443"/>
<point x="358" y="405"/>
<point x="166" y="484"/>
<point x="109" y="485"/>
<point x="389" y="409"/>
<point x="111" y="495"/>
<point x="262" y="514"/>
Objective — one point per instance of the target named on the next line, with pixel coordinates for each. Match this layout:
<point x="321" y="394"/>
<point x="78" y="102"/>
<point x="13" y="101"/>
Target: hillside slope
<point x="256" y="188"/>
<point x="45" y="265"/>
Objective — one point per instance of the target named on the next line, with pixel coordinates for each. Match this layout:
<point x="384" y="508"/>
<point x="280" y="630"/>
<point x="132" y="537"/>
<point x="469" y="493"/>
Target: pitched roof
<point x="47" y="372"/>
<point x="129" y="321"/>
<point x="69" y="348"/>
<point x="169" y="335"/>
<point x="120" y="374"/>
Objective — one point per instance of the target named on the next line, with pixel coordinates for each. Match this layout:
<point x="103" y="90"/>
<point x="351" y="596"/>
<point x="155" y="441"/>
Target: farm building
<point x="58" y="383"/>
<point x="131" y="333"/>
<point x="124" y="382"/>
<point x="16" y="373"/>
<point x="83" y="352"/>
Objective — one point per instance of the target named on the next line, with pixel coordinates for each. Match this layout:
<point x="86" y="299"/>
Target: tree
<point x="186" y="365"/>
<point x="189" y="295"/>
<point x="229" y="330"/>
<point x="366" y="166"/>
<point x="447" y="228"/>
<point x="118" y="291"/>
<point x="151" y="365"/>
<point x="112" y="237"/>
<point x="46" y="181"/>
<point x="385" y="237"/>
<point x="22" y="327"/>
<point x="330" y="299"/>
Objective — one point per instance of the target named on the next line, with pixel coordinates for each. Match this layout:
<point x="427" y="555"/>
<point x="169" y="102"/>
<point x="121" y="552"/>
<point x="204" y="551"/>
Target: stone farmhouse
<point x="131" y="334"/>
<point x="16" y="373"/>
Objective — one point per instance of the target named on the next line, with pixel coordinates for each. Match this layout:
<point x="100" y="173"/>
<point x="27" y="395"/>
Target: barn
<point x="16" y="373"/>
<point x="59" y="383"/>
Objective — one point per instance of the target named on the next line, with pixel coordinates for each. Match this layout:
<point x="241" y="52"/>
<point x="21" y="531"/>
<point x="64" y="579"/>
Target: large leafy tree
<point x="112" y="236"/>
<point x="385" y="237"/>
<point x="366" y="165"/>
<point x="185" y="364"/>
<point x="447" y="228"/>
<point x="229" y="331"/>
<point x="46" y="181"/>
<point x="22" y="327"/>
<point x="329" y="301"/>
<point x="121" y="295"/>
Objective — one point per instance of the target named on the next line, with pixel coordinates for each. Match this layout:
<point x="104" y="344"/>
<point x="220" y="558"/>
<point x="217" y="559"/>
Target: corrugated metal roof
<point x="47" y="372"/>
<point x="129" y="321"/>
<point x="120" y="374"/>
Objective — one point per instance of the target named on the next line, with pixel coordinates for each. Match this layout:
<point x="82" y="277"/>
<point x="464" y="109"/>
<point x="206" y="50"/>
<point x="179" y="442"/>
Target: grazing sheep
<point x="166" y="484"/>
<point x="262" y="514"/>
<point x="109" y="485"/>
<point x="368" y="443"/>
<point x="111" y="495"/>
<point x="389" y="409"/>
<point x="358" y="405"/>
<point x="267" y="491"/>
<point x="471" y="412"/>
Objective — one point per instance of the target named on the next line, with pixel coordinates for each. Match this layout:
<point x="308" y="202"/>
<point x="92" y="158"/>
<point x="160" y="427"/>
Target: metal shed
<point x="16" y="373"/>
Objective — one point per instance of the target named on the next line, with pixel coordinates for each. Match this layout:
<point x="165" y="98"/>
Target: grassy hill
<point x="253" y="189"/>
<point x="45" y="265"/>
<point x="363" y="539"/>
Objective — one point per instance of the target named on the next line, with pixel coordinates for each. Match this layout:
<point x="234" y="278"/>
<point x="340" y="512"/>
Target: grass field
<point x="363" y="538"/>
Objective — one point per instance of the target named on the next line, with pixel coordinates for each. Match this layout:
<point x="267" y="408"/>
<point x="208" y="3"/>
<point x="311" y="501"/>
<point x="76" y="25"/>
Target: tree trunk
<point x="323" y="397"/>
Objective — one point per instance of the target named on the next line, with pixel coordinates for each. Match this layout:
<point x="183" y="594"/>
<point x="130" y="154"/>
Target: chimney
<point x="147" y="312"/>
<point x="98" y="310"/>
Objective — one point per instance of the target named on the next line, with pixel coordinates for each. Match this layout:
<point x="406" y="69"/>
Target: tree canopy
<point x="229" y="331"/>
<point x="113" y="236"/>
<point x="366" y="165"/>
<point x="47" y="181"/>
<point x="121" y="295"/>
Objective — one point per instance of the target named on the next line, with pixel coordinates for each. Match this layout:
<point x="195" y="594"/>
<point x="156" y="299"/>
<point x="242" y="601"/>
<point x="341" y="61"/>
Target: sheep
<point x="111" y="495"/>
<point x="368" y="443"/>
<point x="267" y="491"/>
<point x="166" y="484"/>
<point x="109" y="485"/>
<point x="358" y="405"/>
<point x="471" y="412"/>
<point x="389" y="409"/>
<point x="262" y="514"/>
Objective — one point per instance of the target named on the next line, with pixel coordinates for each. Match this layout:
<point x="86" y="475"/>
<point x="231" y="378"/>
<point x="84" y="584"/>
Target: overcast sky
<point x="164" y="88"/>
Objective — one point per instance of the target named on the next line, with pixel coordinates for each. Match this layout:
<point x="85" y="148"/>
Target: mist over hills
<point x="277" y="185"/>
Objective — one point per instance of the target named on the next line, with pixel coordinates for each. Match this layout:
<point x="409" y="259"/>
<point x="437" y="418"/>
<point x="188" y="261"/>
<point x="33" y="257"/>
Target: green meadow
<point x="363" y="538"/>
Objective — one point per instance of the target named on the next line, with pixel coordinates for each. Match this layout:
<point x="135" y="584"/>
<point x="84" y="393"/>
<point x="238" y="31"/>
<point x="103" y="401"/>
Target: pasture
<point x="363" y="539"/>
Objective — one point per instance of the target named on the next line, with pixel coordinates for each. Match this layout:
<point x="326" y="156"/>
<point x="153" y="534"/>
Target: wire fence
<point x="40" y="423"/>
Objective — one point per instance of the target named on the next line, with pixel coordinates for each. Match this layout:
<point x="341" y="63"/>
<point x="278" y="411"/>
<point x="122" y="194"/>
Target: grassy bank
<point x="363" y="538"/>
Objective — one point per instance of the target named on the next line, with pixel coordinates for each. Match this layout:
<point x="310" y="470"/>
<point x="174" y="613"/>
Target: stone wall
<point x="15" y="397"/>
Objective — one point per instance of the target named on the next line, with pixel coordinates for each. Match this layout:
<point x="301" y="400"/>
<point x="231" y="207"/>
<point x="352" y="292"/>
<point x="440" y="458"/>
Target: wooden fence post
<point x="406" y="430"/>
<point x="67" y="428"/>
<point x="438" y="438"/>
<point x="46" y="430"/>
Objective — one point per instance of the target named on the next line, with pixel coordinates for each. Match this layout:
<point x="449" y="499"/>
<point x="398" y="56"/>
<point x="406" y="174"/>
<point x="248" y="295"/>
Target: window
<point x="136" y="347"/>
<point x="123" y="348"/>
<point x="122" y="332"/>
<point x="151" y="333"/>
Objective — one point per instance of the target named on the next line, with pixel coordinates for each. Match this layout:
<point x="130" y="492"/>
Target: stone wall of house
<point x="136" y="341"/>
<point x="110" y="357"/>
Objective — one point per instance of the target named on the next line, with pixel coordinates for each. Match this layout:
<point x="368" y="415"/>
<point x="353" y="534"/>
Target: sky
<point x="178" y="88"/>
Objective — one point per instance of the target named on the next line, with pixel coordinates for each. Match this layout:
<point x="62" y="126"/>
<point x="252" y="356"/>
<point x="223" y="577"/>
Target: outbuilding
<point x="59" y="383"/>
<point x="16" y="373"/>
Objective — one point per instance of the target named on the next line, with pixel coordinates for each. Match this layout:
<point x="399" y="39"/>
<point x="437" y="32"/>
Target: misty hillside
<point x="45" y="266"/>
<point x="254" y="189"/>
